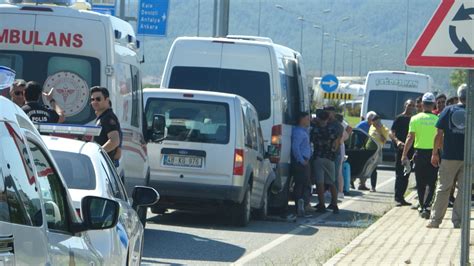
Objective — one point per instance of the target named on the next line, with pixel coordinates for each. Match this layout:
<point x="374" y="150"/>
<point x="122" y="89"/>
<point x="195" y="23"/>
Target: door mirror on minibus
<point x="158" y="128"/>
<point x="144" y="197"/>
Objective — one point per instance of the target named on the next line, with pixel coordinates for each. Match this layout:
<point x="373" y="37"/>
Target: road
<point x="206" y="239"/>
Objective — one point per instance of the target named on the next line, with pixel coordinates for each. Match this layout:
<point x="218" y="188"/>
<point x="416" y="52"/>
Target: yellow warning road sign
<point x="337" y="96"/>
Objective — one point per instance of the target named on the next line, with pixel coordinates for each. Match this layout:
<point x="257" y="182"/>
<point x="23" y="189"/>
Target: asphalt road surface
<point x="184" y="238"/>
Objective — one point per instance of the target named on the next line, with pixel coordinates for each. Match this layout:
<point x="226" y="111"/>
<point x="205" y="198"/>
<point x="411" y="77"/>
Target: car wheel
<point x="262" y="213"/>
<point x="280" y="201"/>
<point x="142" y="215"/>
<point x="241" y="211"/>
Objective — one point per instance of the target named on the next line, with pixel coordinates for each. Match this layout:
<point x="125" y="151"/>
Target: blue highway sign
<point x="329" y="83"/>
<point x="153" y="17"/>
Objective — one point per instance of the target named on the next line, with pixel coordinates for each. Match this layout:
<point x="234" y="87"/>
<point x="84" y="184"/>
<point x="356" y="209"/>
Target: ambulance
<point x="72" y="49"/>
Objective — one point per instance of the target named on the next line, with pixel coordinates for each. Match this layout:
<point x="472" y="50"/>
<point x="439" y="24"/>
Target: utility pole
<point x="221" y="18"/>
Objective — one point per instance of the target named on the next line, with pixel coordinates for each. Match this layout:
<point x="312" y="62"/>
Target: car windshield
<point x="252" y="85"/>
<point x="76" y="168"/>
<point x="191" y="121"/>
<point x="389" y="109"/>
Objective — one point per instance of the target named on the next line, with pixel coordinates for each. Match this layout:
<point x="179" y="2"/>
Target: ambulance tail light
<point x="275" y="145"/>
<point x="77" y="130"/>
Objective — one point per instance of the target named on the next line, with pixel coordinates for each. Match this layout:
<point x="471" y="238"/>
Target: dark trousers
<point x="426" y="175"/>
<point x="301" y="175"/>
<point x="373" y="179"/>
<point x="401" y="180"/>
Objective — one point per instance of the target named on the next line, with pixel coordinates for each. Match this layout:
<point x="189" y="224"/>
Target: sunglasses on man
<point x="18" y="93"/>
<point x="96" y="99"/>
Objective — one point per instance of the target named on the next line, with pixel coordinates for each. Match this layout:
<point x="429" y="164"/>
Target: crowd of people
<point x="429" y="140"/>
<point x="27" y="95"/>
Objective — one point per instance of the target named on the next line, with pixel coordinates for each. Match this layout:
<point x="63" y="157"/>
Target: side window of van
<point x="19" y="198"/>
<point x="292" y="93"/>
<point x="250" y="129"/>
<point x="52" y="190"/>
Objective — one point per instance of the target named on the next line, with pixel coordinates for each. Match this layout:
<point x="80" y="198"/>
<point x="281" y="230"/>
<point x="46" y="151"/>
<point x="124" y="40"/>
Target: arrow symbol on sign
<point x="464" y="13"/>
<point x="462" y="45"/>
<point x="329" y="82"/>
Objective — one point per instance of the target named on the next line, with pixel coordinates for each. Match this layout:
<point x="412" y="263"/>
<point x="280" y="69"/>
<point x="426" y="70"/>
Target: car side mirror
<point x="99" y="213"/>
<point x="144" y="196"/>
<point x="158" y="128"/>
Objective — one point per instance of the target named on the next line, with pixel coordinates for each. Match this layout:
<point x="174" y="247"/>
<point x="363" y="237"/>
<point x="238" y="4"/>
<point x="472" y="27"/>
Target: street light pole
<point x="259" y="15"/>
<point x="352" y="59"/>
<point x="335" y="44"/>
<point x="300" y="18"/>
<point x="199" y="16"/>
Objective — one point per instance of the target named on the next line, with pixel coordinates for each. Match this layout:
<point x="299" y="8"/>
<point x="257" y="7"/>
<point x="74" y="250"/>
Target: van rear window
<point x="389" y="109"/>
<point x="252" y="85"/>
<point x="191" y="121"/>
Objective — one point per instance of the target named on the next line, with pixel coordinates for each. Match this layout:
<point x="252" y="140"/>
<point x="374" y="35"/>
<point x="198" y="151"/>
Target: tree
<point x="458" y="77"/>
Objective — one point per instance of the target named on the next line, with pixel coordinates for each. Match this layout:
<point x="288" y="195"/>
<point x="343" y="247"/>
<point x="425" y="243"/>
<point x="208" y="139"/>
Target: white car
<point x="88" y="170"/>
<point x="207" y="149"/>
<point x="38" y="224"/>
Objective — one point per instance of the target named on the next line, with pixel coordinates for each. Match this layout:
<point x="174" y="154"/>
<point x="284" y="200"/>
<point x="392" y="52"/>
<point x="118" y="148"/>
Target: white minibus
<point x="268" y="75"/>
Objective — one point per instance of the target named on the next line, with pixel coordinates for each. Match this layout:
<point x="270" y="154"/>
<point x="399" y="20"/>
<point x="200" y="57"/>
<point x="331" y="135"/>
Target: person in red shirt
<point x="440" y="104"/>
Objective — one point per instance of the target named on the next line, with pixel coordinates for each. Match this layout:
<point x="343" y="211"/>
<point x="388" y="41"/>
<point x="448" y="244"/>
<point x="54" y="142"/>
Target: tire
<point x="142" y="211"/>
<point x="241" y="211"/>
<point x="284" y="197"/>
<point x="262" y="213"/>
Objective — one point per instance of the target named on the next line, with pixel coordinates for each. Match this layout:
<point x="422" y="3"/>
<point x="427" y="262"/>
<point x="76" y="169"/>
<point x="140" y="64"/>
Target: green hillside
<point x="375" y="27"/>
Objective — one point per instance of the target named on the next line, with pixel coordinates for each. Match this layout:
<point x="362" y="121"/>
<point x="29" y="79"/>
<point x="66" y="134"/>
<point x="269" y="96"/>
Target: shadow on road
<point x="219" y="221"/>
<point x="188" y="247"/>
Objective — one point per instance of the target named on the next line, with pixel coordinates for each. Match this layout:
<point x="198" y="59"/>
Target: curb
<point x="357" y="241"/>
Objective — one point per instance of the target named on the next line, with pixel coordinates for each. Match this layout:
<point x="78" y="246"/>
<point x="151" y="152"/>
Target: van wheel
<point x="142" y="215"/>
<point x="262" y="213"/>
<point x="241" y="211"/>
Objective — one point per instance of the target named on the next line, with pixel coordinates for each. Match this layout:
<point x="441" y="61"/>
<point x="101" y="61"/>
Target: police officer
<point x="38" y="112"/>
<point x="109" y="137"/>
<point x="421" y="134"/>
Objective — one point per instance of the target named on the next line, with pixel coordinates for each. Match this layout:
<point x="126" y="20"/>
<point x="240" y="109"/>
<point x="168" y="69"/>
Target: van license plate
<point x="387" y="145"/>
<point x="182" y="161"/>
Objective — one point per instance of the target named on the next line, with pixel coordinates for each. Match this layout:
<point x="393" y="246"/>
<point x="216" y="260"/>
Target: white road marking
<point x="256" y="253"/>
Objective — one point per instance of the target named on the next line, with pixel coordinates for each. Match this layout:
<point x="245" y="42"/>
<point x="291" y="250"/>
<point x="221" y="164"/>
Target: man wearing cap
<point x="450" y="139"/>
<point x="421" y="134"/>
<point x="399" y="132"/>
<point x="17" y="92"/>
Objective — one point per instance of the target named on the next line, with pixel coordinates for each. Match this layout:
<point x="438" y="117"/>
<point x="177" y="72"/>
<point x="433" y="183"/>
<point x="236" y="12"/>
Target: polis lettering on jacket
<point x="29" y="37"/>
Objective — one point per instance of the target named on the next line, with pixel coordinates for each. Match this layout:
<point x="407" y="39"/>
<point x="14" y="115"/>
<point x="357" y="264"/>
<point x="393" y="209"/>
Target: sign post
<point x="448" y="41"/>
<point x="468" y="172"/>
